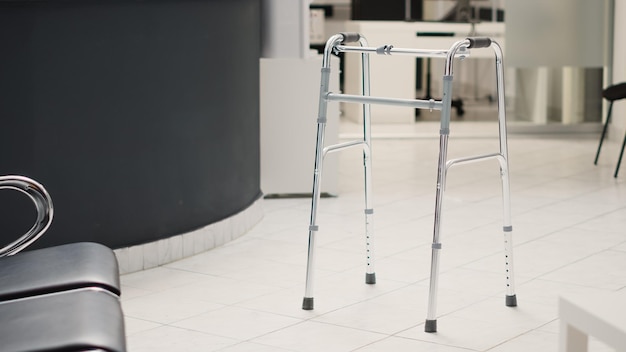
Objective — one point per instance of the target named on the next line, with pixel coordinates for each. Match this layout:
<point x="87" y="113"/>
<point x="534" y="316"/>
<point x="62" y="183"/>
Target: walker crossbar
<point x="471" y="159"/>
<point x="341" y="146"/>
<point x="390" y="50"/>
<point x="458" y="50"/>
<point x="412" y="103"/>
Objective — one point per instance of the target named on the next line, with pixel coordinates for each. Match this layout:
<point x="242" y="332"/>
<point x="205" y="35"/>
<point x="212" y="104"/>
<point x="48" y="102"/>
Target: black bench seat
<point x="79" y="320"/>
<point x="60" y="268"/>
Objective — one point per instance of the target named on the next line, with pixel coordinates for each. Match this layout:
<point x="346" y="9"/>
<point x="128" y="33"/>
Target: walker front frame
<point x="460" y="49"/>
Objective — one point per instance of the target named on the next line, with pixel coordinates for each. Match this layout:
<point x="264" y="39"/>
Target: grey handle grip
<point x="479" y="42"/>
<point x="350" y="37"/>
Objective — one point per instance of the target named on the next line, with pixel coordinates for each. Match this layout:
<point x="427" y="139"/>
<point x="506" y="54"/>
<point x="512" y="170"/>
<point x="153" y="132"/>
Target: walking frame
<point x="460" y="49"/>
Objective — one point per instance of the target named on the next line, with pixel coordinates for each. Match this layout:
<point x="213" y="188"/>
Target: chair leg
<point x="606" y="125"/>
<point x="619" y="161"/>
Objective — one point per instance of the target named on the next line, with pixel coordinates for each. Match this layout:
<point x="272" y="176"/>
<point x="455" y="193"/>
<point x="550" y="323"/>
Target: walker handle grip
<point x="350" y="37"/>
<point x="479" y="42"/>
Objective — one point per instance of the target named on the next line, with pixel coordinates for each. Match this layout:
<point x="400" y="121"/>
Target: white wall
<point x="285" y="29"/>
<point x="555" y="33"/>
<point x="618" y="127"/>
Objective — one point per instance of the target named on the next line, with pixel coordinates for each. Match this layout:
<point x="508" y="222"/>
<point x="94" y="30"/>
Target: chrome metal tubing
<point x="506" y="206"/>
<point x="390" y="50"/>
<point x="444" y="165"/>
<point x="436" y="245"/>
<point x="504" y="149"/>
<point x="370" y="276"/>
<point x="444" y="131"/>
<point x="504" y="172"/>
<point x="317" y="173"/>
<point x="360" y="99"/>
<point x="331" y="44"/>
<point x="317" y="180"/>
<point x="320" y="153"/>
<point x="476" y="158"/>
<point x="452" y="53"/>
<point x="341" y="146"/>
<point x="43" y="204"/>
<point x="431" y="316"/>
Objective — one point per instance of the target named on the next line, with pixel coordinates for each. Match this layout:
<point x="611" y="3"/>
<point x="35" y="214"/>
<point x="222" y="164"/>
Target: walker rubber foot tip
<point x="511" y="301"/>
<point x="307" y="303"/>
<point x="431" y="326"/>
<point x="370" y="279"/>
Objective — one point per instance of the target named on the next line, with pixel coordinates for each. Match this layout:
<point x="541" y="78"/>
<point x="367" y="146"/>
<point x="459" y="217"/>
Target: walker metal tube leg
<point x="431" y="318"/>
<point x="307" y="302"/>
<point x="370" y="274"/>
<point x="604" y="129"/>
<point x="511" y="298"/>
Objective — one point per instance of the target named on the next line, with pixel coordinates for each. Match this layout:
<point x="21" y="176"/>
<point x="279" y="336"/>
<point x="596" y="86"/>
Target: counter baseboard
<point x="164" y="251"/>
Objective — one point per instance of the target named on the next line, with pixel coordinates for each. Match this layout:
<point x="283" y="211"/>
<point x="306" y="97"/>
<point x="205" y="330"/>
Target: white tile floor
<point x="569" y="221"/>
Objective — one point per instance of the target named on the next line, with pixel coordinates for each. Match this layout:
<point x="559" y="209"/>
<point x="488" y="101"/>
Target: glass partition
<point x="557" y="54"/>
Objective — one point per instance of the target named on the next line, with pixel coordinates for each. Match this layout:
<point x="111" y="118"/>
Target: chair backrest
<point x="615" y="92"/>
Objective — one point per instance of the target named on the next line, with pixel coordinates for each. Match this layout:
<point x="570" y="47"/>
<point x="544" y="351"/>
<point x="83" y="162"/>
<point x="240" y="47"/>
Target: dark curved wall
<point x="141" y="118"/>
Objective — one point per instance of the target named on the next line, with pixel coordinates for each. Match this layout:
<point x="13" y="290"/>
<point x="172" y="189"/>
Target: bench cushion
<point x="81" y="320"/>
<point x="59" y="268"/>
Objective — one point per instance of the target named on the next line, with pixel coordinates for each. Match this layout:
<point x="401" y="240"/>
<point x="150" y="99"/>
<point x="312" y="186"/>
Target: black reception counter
<point x="141" y="118"/>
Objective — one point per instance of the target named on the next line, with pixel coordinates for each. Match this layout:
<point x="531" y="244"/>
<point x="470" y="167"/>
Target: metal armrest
<point x="38" y="194"/>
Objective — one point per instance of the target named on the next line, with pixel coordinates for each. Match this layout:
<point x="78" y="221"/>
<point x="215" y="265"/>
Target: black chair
<point x="53" y="269"/>
<point x="60" y="268"/>
<point x="63" y="298"/>
<point x="612" y="93"/>
<point x="79" y="320"/>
